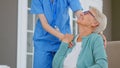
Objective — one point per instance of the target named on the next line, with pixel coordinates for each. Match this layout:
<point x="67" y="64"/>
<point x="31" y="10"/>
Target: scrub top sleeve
<point x="75" y="5"/>
<point x="36" y="7"/>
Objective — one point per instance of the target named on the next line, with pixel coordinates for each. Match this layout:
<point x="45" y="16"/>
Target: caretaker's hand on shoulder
<point x="104" y="39"/>
<point x="67" y="38"/>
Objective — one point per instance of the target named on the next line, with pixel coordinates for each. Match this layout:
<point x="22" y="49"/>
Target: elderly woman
<point x="88" y="50"/>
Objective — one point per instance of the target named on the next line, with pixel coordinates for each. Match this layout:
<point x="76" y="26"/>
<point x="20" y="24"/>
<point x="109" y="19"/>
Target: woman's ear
<point x="95" y="24"/>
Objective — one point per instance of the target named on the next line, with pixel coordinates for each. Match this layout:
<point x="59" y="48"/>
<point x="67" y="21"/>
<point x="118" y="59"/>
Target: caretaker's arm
<point x="48" y="28"/>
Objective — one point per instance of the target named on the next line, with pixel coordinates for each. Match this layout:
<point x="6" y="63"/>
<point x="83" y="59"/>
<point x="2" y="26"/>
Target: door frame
<point x="22" y="34"/>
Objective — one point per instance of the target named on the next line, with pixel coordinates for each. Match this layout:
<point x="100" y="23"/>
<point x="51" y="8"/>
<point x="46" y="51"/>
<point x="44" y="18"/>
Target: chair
<point x="113" y="52"/>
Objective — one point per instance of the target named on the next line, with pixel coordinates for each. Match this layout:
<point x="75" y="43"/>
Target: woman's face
<point x="88" y="19"/>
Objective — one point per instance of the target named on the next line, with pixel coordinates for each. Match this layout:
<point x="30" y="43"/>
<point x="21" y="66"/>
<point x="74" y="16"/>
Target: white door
<point x="26" y="24"/>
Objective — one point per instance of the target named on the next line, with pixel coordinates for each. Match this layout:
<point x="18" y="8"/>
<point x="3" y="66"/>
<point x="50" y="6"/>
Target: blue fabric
<point x="42" y="61"/>
<point x="56" y="14"/>
<point x="43" y="56"/>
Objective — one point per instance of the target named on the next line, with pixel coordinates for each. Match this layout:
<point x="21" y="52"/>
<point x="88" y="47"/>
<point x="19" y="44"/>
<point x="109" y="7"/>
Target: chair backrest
<point x="113" y="52"/>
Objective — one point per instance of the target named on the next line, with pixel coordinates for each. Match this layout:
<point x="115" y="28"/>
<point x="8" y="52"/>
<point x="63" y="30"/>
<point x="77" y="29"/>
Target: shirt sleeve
<point x="60" y="55"/>
<point x="99" y="54"/>
<point x="75" y="5"/>
<point x="36" y="7"/>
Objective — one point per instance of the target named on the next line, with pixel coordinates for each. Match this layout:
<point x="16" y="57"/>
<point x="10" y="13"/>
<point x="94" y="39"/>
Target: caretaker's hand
<point x="104" y="39"/>
<point x="68" y="39"/>
<point x="79" y="13"/>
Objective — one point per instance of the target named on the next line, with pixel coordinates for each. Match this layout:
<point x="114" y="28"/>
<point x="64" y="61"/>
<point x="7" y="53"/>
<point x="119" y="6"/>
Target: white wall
<point x="96" y="3"/>
<point x="8" y="32"/>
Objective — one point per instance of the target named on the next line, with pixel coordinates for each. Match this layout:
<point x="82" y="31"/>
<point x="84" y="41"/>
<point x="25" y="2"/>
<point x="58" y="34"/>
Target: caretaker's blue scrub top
<point x="56" y="14"/>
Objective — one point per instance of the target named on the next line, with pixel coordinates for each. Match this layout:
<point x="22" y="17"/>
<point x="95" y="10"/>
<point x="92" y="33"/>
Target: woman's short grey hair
<point x="101" y="18"/>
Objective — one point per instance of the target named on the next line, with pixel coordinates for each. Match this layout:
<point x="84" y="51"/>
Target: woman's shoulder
<point x="95" y="36"/>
